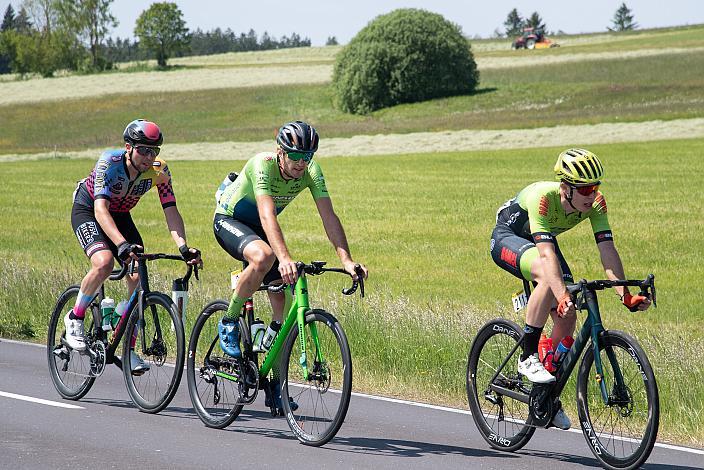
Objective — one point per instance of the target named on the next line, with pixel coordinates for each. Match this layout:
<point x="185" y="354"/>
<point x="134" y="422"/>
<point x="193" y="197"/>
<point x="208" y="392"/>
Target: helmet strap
<point x="569" y="197"/>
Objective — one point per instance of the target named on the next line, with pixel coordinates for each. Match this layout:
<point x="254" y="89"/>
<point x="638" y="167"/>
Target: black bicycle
<point x="151" y="326"/>
<point x="617" y="395"/>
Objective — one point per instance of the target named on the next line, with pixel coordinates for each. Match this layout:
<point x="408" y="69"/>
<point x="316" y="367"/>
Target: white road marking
<point x="41" y="401"/>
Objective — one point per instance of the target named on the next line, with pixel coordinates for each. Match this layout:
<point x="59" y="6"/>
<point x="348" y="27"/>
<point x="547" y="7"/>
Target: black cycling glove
<point x="187" y="254"/>
<point x="124" y="250"/>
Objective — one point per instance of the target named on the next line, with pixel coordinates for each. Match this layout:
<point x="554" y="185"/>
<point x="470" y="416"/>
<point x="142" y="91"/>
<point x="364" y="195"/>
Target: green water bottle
<point x="107" y="310"/>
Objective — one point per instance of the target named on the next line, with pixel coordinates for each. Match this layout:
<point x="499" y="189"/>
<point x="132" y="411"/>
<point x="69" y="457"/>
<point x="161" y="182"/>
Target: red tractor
<point x="532" y="39"/>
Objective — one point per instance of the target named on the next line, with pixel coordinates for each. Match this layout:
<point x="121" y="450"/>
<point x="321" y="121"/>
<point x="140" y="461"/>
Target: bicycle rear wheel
<point x="70" y="370"/>
<point x="215" y="398"/>
<point x="501" y="420"/>
<point x="159" y="342"/>
<point x="621" y="434"/>
<point x="322" y="398"/>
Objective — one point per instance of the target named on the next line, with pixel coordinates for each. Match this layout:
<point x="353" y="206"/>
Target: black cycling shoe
<point x="278" y="407"/>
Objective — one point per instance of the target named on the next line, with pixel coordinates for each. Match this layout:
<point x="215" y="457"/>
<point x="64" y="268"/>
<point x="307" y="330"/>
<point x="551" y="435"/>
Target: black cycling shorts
<point x="91" y="236"/>
<point x="509" y="249"/>
<point x="234" y="235"/>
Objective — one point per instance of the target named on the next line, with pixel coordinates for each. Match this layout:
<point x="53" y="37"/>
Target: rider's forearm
<point x="553" y="274"/>
<point x="336" y="235"/>
<point x="613" y="267"/>
<point x="107" y="225"/>
<point x="176" y="226"/>
<point x="275" y="236"/>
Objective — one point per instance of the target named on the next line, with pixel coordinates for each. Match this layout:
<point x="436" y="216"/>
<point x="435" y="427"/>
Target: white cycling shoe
<point x="75" y="335"/>
<point x="534" y="370"/>
<point x="137" y="364"/>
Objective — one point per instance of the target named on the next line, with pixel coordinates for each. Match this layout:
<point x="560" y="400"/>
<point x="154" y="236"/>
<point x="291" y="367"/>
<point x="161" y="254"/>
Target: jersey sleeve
<point x="600" y="221"/>
<point x="165" y="187"/>
<point x="104" y="175"/>
<point x="258" y="171"/>
<point x="316" y="182"/>
<point x="538" y="207"/>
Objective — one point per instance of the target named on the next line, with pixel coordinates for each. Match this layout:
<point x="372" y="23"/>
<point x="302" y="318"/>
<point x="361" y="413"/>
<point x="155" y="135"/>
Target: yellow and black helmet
<point x="578" y="167"/>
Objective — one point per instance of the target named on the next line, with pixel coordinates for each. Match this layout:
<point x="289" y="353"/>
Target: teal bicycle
<point x="315" y="364"/>
<point x="617" y="395"/>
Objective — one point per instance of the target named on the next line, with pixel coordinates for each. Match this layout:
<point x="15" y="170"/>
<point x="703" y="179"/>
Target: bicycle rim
<point x="501" y="420"/>
<point x="70" y="370"/>
<point x="324" y="398"/>
<point x="214" y="398"/>
<point x="620" y="434"/>
<point x="161" y="347"/>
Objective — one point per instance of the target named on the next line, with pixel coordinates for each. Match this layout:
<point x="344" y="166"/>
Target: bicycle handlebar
<point x="316" y="268"/>
<point x="647" y="286"/>
<point x="118" y="274"/>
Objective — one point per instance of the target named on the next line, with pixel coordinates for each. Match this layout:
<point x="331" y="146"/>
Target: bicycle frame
<point x="135" y="300"/>
<point x="591" y="330"/>
<point x="296" y="314"/>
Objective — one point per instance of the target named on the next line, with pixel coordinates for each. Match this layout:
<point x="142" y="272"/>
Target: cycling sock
<point x="531" y="337"/>
<point x="82" y="303"/>
<point x="236" y="303"/>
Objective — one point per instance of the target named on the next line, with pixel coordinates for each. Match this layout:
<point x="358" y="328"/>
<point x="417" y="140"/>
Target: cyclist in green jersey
<point x="247" y="228"/>
<point x="524" y="243"/>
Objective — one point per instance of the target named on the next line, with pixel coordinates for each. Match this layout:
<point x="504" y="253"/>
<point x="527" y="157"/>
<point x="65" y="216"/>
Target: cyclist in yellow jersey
<point x="524" y="243"/>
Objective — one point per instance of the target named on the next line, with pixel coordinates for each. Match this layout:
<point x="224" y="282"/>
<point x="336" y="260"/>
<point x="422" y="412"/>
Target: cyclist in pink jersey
<point x="102" y="222"/>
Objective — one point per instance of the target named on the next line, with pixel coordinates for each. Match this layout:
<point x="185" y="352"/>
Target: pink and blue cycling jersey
<point x="110" y="180"/>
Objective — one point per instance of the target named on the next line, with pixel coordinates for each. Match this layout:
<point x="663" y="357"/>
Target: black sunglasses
<point x="147" y="151"/>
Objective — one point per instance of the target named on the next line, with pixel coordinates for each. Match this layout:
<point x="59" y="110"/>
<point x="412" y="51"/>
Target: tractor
<point x="533" y="38"/>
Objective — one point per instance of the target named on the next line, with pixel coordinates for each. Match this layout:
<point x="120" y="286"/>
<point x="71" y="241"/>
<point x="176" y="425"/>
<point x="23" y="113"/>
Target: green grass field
<point x="606" y="90"/>
<point x="420" y="222"/>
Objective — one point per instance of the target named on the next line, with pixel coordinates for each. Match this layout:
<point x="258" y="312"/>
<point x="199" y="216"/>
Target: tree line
<point x="44" y="36"/>
<point x="623" y="20"/>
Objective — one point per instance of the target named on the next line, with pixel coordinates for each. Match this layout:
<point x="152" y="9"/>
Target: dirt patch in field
<point x="448" y="141"/>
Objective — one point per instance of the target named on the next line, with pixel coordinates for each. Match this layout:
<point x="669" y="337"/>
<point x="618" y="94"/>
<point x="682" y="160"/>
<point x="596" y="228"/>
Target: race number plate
<point x="520" y="300"/>
<point x="234" y="278"/>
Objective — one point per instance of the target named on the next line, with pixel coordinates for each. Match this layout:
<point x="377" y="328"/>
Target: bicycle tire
<point x="164" y="353"/>
<point x="203" y="350"/>
<point x="74" y="382"/>
<point x="640" y="400"/>
<point x="322" y="403"/>
<point x="492" y="344"/>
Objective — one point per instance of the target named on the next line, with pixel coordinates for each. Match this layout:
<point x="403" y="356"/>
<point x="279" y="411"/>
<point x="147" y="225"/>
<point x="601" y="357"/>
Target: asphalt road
<point x="105" y="430"/>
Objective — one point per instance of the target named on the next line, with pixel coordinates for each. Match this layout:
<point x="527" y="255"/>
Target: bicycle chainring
<point x="540" y="404"/>
<point x="248" y="385"/>
<point x="97" y="358"/>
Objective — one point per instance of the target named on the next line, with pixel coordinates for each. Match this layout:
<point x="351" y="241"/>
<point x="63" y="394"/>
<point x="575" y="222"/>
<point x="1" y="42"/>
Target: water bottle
<point x="179" y="294"/>
<point x="546" y="353"/>
<point x="229" y="179"/>
<point x="257" y="329"/>
<point x="107" y="309"/>
<point x="270" y="334"/>
<point x="561" y="350"/>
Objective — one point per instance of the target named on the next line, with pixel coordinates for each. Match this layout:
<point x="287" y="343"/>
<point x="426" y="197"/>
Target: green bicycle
<point x="315" y="364"/>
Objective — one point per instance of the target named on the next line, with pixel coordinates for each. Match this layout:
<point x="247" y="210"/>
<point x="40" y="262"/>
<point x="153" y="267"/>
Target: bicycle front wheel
<point x="500" y="419"/>
<point x="215" y="397"/>
<point x="324" y="396"/>
<point x="153" y="353"/>
<point x="70" y="370"/>
<point x="622" y="432"/>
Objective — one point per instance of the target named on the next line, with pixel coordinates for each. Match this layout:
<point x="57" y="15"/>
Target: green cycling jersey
<point x="537" y="214"/>
<point x="261" y="176"/>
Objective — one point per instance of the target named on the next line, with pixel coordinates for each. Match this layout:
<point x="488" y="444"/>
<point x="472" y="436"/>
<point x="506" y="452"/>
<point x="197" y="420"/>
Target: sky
<point x="319" y="19"/>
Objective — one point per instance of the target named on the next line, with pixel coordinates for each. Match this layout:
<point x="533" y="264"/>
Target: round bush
<point x="405" y="56"/>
